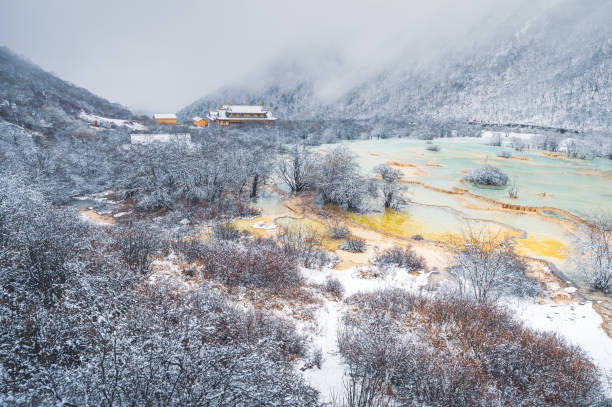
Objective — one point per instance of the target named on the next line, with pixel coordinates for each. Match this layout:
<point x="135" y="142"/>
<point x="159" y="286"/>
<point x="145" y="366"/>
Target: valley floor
<point x="560" y="309"/>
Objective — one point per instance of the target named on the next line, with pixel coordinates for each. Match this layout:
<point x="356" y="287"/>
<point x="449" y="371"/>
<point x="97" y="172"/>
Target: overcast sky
<point x="159" y="56"/>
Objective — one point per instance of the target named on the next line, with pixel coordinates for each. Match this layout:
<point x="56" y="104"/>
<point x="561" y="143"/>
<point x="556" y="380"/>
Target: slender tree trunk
<point x="254" y="186"/>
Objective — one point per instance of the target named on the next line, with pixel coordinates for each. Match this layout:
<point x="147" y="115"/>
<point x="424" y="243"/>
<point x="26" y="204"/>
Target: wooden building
<point x="165" y="118"/>
<point x="198" y="121"/>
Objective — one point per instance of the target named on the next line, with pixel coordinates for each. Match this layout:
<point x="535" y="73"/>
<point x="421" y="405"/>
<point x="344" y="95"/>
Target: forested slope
<point x="38" y="100"/>
<point x="551" y="70"/>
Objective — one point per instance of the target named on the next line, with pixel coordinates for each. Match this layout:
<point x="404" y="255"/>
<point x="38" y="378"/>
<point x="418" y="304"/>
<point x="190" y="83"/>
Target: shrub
<point x="304" y="244"/>
<point x="338" y="180"/>
<point x="451" y="352"/>
<point x="226" y="231"/>
<point x="504" y="154"/>
<point x="487" y="175"/>
<point x="317" y="358"/>
<point x="513" y="190"/>
<point x="405" y="258"/>
<point x="259" y="263"/>
<point x="334" y="287"/>
<point x="338" y="230"/>
<point x="390" y="188"/>
<point x="354" y="245"/>
<point x="432" y="147"/>
<point x="136" y="246"/>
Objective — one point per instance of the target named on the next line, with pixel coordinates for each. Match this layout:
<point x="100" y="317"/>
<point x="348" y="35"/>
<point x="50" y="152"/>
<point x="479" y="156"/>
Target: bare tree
<point x="391" y="188"/>
<point x="296" y="169"/>
<point x="486" y="267"/>
<point x="593" y="252"/>
<point x="136" y="246"/>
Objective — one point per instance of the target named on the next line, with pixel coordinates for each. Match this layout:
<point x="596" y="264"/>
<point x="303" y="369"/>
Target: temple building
<point x="228" y="114"/>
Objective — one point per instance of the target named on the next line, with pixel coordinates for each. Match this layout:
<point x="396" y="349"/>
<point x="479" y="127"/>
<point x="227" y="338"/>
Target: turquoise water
<point x="581" y="187"/>
<point x="570" y="185"/>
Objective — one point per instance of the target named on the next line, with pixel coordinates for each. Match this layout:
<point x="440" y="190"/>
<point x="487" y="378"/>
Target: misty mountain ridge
<point x="38" y="100"/>
<point x="551" y="70"/>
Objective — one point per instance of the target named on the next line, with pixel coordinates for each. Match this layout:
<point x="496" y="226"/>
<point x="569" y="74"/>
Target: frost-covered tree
<point x="391" y="188"/>
<point x="338" y="180"/>
<point x="296" y="170"/>
<point x="487" y="268"/>
<point x="592" y="252"/>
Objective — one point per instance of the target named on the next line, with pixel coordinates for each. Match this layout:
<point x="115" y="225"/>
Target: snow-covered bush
<point x="338" y="230"/>
<point x="136" y="245"/>
<point x="407" y="349"/>
<point x="260" y="263"/>
<point x="433" y="147"/>
<point x="487" y="175"/>
<point x="504" y="154"/>
<point x="297" y="168"/>
<point x="317" y="358"/>
<point x="304" y="244"/>
<point x="396" y="256"/>
<point x="334" y="287"/>
<point x="354" y="245"/>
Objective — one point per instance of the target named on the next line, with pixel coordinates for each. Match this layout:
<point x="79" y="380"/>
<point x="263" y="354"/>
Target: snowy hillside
<point x="38" y="100"/>
<point x="551" y="70"/>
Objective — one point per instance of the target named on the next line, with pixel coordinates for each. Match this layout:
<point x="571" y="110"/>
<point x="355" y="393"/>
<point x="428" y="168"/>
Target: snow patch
<point x="118" y="122"/>
<point x="263" y="225"/>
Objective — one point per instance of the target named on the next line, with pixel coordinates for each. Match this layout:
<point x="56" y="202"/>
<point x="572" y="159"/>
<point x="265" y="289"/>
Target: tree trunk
<point x="254" y="186"/>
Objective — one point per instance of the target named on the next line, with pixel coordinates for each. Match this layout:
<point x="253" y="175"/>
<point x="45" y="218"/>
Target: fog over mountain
<point x="547" y="64"/>
<point x="156" y="57"/>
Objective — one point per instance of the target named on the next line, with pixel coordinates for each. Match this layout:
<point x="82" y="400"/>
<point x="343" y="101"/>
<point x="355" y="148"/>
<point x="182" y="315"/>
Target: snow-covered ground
<point x="577" y="322"/>
<point x="118" y="122"/>
<point x="329" y="379"/>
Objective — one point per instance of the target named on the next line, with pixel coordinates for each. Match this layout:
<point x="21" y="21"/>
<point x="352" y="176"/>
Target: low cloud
<point x="160" y="56"/>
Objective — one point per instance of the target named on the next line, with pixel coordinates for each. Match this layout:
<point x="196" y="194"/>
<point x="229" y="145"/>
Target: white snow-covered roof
<point x="222" y="113"/>
<point x="197" y="118"/>
<point x="164" y="116"/>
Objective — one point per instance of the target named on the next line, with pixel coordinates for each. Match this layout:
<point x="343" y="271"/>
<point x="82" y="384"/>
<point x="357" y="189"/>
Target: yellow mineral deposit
<point x="541" y="245"/>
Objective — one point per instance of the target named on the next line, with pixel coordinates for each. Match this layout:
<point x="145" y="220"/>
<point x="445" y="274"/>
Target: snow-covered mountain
<point x="35" y="99"/>
<point x="551" y="69"/>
